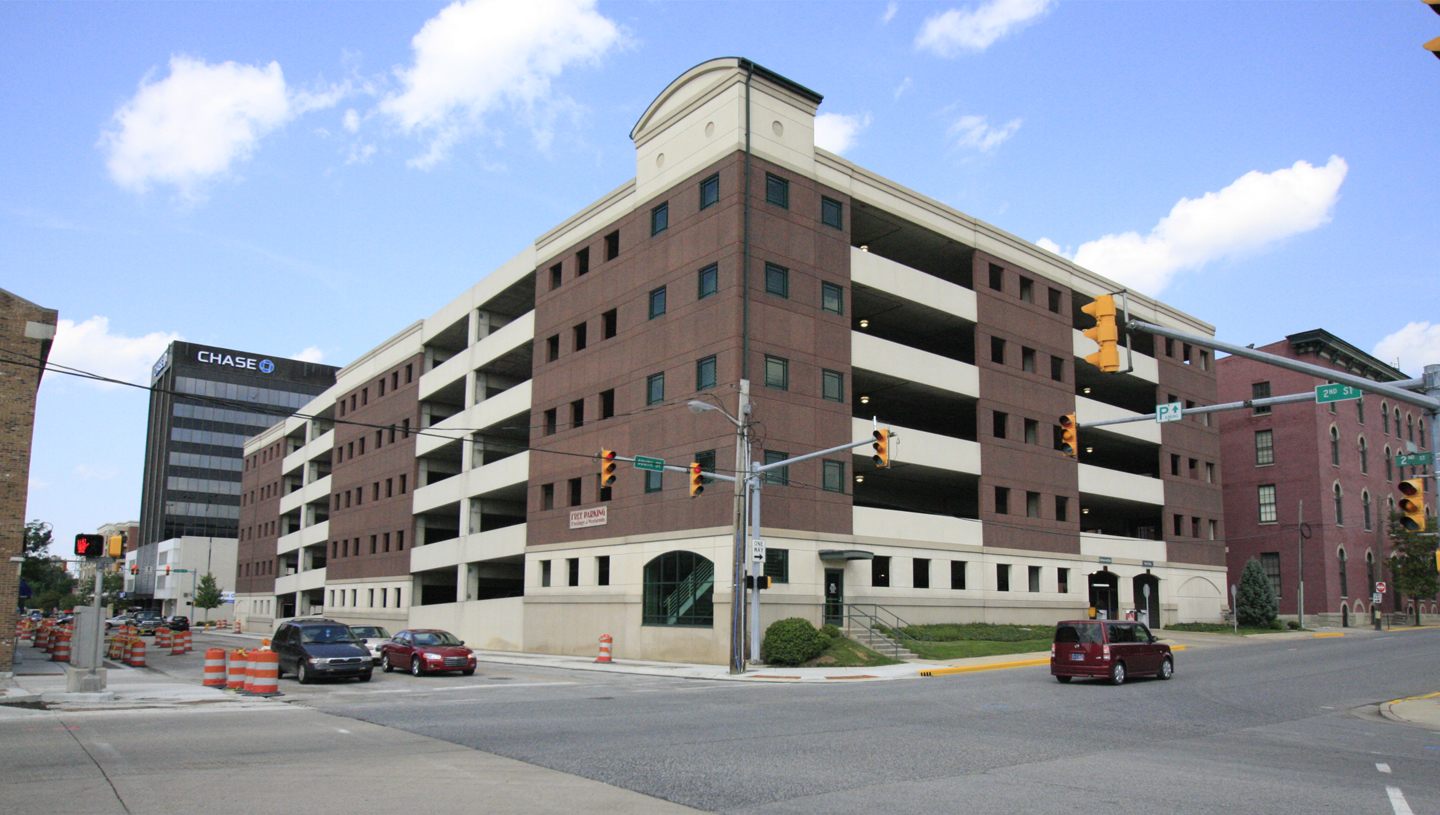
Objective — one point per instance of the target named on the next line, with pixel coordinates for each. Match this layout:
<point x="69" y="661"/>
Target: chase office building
<point x="449" y="479"/>
<point x="204" y="403"/>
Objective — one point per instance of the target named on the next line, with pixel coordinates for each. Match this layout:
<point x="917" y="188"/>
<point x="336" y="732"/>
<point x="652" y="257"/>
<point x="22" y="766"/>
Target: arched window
<point x="1339" y="507"/>
<point x="1370" y="570"/>
<point x="1344" y="575"/>
<point x="1410" y="427"/>
<point x="1360" y="409"/>
<point x="1389" y="465"/>
<point x="1397" y="422"/>
<point x="680" y="590"/>
<point x="1384" y="418"/>
<point x="1334" y="446"/>
<point x="1365" y="507"/>
<point x="1364" y="456"/>
<point x="1423" y="437"/>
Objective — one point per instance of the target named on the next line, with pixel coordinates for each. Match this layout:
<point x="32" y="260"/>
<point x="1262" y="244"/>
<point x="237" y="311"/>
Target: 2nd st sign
<point x="1413" y="459"/>
<point x="1336" y="393"/>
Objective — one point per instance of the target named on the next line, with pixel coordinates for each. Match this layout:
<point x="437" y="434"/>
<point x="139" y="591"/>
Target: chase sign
<point x="264" y="366"/>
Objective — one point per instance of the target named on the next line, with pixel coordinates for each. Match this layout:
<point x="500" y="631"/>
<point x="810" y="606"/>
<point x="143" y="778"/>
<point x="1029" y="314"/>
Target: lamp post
<point x="742" y="486"/>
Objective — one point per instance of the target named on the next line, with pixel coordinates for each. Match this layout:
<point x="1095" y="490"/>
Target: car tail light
<point x="1105" y="651"/>
<point x="1052" y="650"/>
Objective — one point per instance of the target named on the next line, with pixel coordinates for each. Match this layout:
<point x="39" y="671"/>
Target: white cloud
<point x="975" y="132"/>
<point x="90" y="347"/>
<point x="1049" y="246"/>
<point x="836" y="132"/>
<point x="351" y="121"/>
<point x="475" y="58"/>
<point x="978" y="27"/>
<point x="1415" y="346"/>
<point x="1245" y="217"/>
<point x="890" y="9"/>
<point x="95" y="472"/>
<point x="311" y="354"/>
<point x="199" y="121"/>
<point x="904" y="86"/>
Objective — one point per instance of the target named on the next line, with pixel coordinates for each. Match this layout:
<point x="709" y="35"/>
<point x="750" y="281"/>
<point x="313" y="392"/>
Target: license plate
<point x="1078" y="657"/>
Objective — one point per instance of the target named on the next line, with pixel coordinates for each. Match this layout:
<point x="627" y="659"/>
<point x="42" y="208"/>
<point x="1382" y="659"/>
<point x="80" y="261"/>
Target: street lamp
<point x="742" y="492"/>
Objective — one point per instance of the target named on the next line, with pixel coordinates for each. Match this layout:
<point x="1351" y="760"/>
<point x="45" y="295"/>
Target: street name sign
<point x="1337" y="393"/>
<point x="1170" y="412"/>
<point x="647" y="463"/>
<point x="1413" y="459"/>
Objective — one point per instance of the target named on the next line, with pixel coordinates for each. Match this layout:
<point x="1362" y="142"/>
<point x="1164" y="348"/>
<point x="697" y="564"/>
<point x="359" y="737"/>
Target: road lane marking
<point x="1384" y="768"/>
<point x="341" y="730"/>
<point x="1397" y="801"/>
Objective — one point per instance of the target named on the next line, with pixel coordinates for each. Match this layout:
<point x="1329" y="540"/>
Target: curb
<point x="1387" y="709"/>
<point x="1333" y="634"/>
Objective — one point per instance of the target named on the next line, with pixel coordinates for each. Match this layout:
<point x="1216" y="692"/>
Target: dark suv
<point x="1108" y="649"/>
<point x="314" y="648"/>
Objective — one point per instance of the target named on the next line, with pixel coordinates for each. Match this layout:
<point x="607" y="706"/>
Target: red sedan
<point x="425" y="650"/>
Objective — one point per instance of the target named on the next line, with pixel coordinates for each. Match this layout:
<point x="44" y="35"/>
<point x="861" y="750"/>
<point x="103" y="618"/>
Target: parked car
<point x="1113" y="649"/>
<point x="371" y="636"/>
<point x="118" y="620"/>
<point x="316" y="648"/>
<point x="147" y="621"/>
<point x="177" y="623"/>
<point x="425" y="650"/>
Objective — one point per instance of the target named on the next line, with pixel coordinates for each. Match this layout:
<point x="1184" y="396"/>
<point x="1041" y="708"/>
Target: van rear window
<point x="1078" y="632"/>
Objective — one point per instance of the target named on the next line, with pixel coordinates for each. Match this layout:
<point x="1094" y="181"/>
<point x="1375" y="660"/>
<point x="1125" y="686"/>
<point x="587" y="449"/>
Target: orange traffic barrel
<point x="62" y="649"/>
<point x="264" y="679"/>
<point x="605" y="641"/>
<point x="163" y="638"/>
<point x="49" y="644"/>
<point x="236" y="670"/>
<point x="137" y="653"/>
<point x="185" y="635"/>
<point x="176" y="645"/>
<point x="214" y="668"/>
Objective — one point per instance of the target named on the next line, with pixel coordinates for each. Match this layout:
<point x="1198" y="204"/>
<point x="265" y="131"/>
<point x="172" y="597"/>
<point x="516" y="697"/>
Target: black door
<point x="835" y="597"/>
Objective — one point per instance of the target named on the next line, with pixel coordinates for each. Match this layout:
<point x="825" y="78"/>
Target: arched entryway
<point x="1344" y="615"/>
<point x="1105" y="593"/>
<point x="1148" y="602"/>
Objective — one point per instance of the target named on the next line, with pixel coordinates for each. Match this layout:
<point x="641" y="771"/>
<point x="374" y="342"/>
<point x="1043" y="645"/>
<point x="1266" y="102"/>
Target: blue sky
<point x="304" y="179"/>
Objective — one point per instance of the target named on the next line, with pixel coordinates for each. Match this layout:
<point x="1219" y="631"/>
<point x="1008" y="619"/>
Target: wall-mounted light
<point x="1089" y="449"/>
<point x="1087" y="390"/>
<point x="864" y="248"/>
<point x="859" y="479"/>
<point x="864" y="400"/>
<point x="864" y="323"/>
<point x="1085" y="511"/>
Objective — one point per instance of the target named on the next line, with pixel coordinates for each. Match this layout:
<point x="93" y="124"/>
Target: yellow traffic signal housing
<point x="882" y="448"/>
<point x="117" y="546"/>
<point x="607" y="467"/>
<point x="697" y="480"/>
<point x="1413" y="504"/>
<point x="1069" y="435"/>
<point x="1106" y="334"/>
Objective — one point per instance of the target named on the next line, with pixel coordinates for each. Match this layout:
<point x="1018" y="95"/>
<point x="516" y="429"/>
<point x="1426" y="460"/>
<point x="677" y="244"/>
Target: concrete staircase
<point x="879" y="643"/>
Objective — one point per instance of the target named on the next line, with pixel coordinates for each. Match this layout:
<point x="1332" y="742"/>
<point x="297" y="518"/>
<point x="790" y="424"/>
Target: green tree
<point x="207" y="594"/>
<point x="1412" y="561"/>
<point x="37" y="539"/>
<point x="111" y="585"/>
<point x="1255" y="604"/>
<point x="44" y="573"/>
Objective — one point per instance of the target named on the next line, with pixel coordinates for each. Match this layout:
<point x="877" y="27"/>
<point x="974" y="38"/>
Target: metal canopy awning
<point x="846" y="554"/>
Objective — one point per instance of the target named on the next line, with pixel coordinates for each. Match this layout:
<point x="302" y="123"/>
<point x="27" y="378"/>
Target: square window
<point x="777" y="280"/>
<point x="1032" y="504"/>
<point x="657" y="302"/>
<point x="998" y="421"/>
<point x="1027" y="359"/>
<point x="834" y="476"/>
<point x="1032" y="431"/>
<point x="1002" y="500"/>
<point x="612" y="245"/>
<point x="577" y="413"/>
<point x="781" y="475"/>
<point x="544" y="573"/>
<point x="556" y="277"/>
<point x="1002" y="577"/>
<point x="607" y="404"/>
<point x="660" y="219"/>
<point x="1260" y="390"/>
<point x="580" y="337"/>
<point x="1055" y="301"/>
<point x="777" y="190"/>
<point x="602" y="570"/>
<point x="832" y="298"/>
<point x="572" y="568"/>
<point x="832" y="386"/>
<point x="997" y="277"/>
<point x="777" y="373"/>
<point x="1057" y="369"/>
<point x="1062" y="508"/>
<point x="710" y="191"/>
<point x="1062" y="580"/>
<point x="609" y="324"/>
<point x="777" y="565"/>
<point x="655" y="389"/>
<point x="1267" y="503"/>
<point x="709" y="281"/>
<point x="654" y="481"/>
<point x="832" y="213"/>
<point x="1034" y="578"/>
<point x="574" y="492"/>
<point x="997" y="350"/>
<point x="1027" y="290"/>
<point x="582" y="262"/>
<point x="705" y="374"/>
<point x="880" y="571"/>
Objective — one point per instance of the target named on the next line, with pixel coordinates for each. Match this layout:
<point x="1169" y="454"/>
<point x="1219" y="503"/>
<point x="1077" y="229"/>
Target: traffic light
<point x="134" y="569"/>
<point x="89" y="545"/>
<point x="697" y="480"/>
<point x="167" y="571"/>
<point x="607" y="467"/>
<point x="757" y="582"/>
<point x="1413" y="504"/>
<point x="1069" y="435"/>
<point x="117" y="546"/>
<point x="1105" y="334"/>
<point x="882" y="448"/>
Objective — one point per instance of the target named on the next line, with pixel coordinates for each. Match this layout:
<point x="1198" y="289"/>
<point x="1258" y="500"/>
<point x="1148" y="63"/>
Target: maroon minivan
<point x="1108" y="649"/>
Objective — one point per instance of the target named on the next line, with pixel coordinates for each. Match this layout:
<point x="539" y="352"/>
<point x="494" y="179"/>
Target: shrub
<point x="1293" y="625"/>
<point x="1255" y="604"/>
<point x="1276" y="625"/>
<point x="792" y="641"/>
<point x="830" y="630"/>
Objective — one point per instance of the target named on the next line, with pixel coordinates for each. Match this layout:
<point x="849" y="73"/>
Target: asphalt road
<point x="1284" y="727"/>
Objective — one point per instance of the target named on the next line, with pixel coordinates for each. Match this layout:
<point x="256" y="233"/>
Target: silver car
<point x="370" y="637"/>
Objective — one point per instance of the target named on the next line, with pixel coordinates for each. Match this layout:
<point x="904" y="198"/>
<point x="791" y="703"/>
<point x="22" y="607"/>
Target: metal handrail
<point x="897" y="625"/>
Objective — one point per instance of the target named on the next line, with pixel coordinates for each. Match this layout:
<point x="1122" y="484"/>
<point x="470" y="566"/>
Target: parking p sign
<point x="1171" y="412"/>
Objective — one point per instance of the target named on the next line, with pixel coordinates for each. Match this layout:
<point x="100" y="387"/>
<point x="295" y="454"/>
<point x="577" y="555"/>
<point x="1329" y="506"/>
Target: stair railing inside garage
<point x="880" y="619"/>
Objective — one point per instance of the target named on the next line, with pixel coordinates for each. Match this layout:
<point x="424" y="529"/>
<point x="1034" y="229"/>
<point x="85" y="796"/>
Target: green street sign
<point x="647" y="463"/>
<point x="1337" y="393"/>
<point x="1413" y="459"/>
